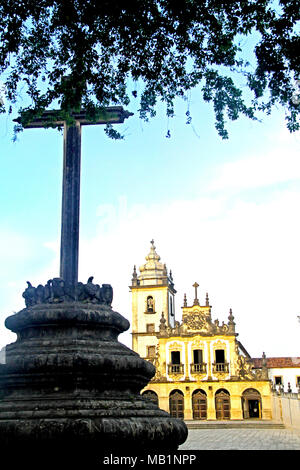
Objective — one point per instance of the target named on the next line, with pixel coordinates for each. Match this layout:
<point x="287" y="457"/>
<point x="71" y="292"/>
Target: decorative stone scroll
<point x="197" y="322"/>
<point x="244" y="369"/>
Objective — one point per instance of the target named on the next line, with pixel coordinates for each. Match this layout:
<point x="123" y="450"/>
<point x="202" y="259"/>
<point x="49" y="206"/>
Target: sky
<point x="222" y="213"/>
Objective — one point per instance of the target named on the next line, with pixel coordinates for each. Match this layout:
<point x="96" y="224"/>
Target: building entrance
<point x="253" y="408"/>
<point x="222" y="402"/>
<point x="176" y="404"/>
<point x="152" y="396"/>
<point x="251" y="402"/>
<point x="199" y="404"/>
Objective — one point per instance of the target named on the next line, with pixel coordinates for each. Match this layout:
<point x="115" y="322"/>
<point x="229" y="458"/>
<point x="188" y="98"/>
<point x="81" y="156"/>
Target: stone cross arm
<point x="111" y="114"/>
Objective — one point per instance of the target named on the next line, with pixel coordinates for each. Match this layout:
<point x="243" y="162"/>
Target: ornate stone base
<point x="69" y="384"/>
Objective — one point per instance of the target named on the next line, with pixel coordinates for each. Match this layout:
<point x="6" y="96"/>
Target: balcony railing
<point x="175" y="368"/>
<point x="220" y="367"/>
<point x="198" y="368"/>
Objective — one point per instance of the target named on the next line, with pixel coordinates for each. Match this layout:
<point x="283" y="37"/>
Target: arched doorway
<point x="150" y="395"/>
<point x="199" y="404"/>
<point x="176" y="404"/>
<point x="222" y="403"/>
<point x="251" y="403"/>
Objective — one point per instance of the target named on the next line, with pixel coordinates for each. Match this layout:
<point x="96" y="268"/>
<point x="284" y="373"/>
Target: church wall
<point x="187" y="381"/>
<point x="286" y="408"/>
<point x="235" y="390"/>
<point x="208" y="345"/>
<point x="140" y="319"/>
<point x="288" y="376"/>
<point x="139" y="304"/>
<point x="219" y="370"/>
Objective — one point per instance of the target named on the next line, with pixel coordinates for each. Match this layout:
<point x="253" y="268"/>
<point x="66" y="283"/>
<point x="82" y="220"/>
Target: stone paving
<point x="242" y="439"/>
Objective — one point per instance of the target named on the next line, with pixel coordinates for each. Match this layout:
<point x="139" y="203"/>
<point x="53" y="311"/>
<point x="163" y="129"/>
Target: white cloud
<point x="245" y="255"/>
<point x="243" y="251"/>
<point x="281" y="164"/>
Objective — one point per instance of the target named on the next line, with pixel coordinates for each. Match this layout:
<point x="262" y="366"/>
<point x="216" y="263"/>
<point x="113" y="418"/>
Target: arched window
<point x="176" y="404"/>
<point x="150" y="395"/>
<point x="251" y="403"/>
<point x="199" y="403"/>
<point x="150" y="304"/>
<point x="222" y="403"/>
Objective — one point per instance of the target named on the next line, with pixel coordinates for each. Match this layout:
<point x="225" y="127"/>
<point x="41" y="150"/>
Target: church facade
<point x="202" y="370"/>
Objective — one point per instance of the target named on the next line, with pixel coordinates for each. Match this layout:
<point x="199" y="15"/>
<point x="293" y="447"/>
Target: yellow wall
<point x="186" y="345"/>
<point x="211" y="381"/>
<point x="196" y="331"/>
<point x="140" y="319"/>
<point x="235" y="390"/>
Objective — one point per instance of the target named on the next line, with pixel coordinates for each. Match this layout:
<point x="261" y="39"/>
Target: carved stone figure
<point x="29" y="295"/>
<point x="57" y="291"/>
<point x="150" y="304"/>
<point x="40" y="294"/>
<point x="90" y="290"/>
<point x="48" y="292"/>
<point x="107" y="294"/>
<point x="80" y="292"/>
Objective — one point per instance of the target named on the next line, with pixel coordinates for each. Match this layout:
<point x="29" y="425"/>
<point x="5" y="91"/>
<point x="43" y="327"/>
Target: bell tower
<point x="153" y="293"/>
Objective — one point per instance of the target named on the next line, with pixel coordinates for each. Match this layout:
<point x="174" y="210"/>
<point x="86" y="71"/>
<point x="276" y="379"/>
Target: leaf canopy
<point x="90" y="53"/>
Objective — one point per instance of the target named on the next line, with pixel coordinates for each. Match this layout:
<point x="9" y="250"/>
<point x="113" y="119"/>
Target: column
<point x="70" y="205"/>
<point x="211" y="410"/>
<point x="188" y="411"/>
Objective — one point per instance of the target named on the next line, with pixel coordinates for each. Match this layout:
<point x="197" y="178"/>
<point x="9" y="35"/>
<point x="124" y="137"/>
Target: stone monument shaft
<point x="69" y="248"/>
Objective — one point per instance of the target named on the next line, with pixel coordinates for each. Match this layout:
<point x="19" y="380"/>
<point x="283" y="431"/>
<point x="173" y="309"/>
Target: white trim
<point x="183" y="358"/>
<point x="226" y="342"/>
<point x="205" y="359"/>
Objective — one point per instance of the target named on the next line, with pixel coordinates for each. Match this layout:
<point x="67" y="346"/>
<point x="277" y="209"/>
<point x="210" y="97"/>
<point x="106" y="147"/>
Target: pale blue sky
<point x="222" y="213"/>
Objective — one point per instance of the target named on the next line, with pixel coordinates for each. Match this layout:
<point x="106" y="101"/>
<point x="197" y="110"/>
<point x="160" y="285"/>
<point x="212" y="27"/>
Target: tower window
<point x="171" y="307"/>
<point x="150" y="327"/>
<point x="150" y="351"/>
<point x="150" y="304"/>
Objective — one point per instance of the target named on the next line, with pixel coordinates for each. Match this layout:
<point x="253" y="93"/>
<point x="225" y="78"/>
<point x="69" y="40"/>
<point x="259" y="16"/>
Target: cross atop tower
<point x="196" y="300"/>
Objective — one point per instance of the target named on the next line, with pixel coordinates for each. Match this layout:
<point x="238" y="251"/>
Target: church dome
<point x="153" y="268"/>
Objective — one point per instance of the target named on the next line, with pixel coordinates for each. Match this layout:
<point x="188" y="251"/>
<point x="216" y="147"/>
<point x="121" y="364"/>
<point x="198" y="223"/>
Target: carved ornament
<point x="175" y="346"/>
<point x="219" y="345"/>
<point x="244" y="368"/>
<point x="57" y="291"/>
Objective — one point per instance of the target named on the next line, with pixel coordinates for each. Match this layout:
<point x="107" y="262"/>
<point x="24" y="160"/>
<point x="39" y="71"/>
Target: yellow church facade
<point x="202" y="371"/>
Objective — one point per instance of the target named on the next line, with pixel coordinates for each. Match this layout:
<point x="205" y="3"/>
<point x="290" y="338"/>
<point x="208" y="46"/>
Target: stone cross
<point x="71" y="181"/>
<point x="196" y="301"/>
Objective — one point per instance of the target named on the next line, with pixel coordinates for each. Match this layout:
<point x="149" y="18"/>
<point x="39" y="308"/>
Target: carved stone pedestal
<point x="70" y="387"/>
